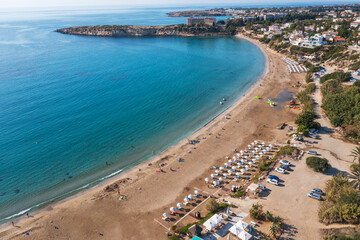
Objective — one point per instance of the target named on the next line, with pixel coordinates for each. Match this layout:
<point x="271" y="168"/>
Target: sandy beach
<point x="97" y="213"/>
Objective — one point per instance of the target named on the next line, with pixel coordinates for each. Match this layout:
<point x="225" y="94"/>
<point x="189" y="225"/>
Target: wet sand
<point x="149" y="193"/>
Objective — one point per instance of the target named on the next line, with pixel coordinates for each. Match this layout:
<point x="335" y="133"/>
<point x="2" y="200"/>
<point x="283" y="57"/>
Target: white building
<point x="314" y="41"/>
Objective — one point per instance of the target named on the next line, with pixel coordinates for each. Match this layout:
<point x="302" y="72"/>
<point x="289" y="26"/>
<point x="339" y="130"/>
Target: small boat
<point x="221" y="103"/>
<point x="224" y="99"/>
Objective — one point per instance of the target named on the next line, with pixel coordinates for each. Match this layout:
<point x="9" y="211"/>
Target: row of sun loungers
<point x="293" y="66"/>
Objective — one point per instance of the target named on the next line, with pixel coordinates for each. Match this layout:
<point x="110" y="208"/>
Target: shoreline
<point x="141" y="178"/>
<point x="120" y="173"/>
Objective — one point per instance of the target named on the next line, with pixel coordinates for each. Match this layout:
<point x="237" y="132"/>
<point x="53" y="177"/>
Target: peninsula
<point x="180" y="30"/>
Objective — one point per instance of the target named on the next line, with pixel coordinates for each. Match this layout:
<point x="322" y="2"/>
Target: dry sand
<point x="149" y="194"/>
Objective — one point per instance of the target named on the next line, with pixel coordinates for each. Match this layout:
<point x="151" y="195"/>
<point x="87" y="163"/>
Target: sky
<point x="87" y="3"/>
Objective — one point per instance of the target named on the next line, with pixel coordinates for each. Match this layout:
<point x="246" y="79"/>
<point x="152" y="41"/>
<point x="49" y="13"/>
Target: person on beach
<point x="13" y="224"/>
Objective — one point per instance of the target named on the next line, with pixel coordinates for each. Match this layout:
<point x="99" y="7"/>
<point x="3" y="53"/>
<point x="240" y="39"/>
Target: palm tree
<point x="354" y="178"/>
<point x="355" y="153"/>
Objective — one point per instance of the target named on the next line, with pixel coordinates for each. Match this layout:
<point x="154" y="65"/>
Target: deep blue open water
<point x="69" y="104"/>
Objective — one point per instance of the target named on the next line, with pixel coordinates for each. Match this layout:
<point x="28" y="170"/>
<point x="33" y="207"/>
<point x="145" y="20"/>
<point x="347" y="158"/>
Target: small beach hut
<point x="209" y="224"/>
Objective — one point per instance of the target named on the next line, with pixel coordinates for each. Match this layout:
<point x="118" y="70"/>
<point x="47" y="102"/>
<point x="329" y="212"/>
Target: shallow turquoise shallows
<point x="75" y="109"/>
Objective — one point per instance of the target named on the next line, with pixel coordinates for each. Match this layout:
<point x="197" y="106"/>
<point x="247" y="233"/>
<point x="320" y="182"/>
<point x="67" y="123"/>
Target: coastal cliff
<point x="143" y="31"/>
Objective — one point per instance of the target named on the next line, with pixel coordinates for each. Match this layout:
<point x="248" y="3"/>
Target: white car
<point x="273" y="181"/>
<point x="262" y="187"/>
<point x="314" y="195"/>
<point x="284" y="162"/>
<point x="280" y="170"/>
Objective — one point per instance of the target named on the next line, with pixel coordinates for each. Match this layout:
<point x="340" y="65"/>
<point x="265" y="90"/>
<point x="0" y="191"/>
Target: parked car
<point x="280" y="170"/>
<point x="284" y="162"/>
<point x="273" y="181"/>
<point x="273" y="177"/>
<point x="317" y="191"/>
<point x="312" y="152"/>
<point x="262" y="187"/>
<point x="314" y="195"/>
<point x="285" y="167"/>
<point x="313" y="136"/>
<point x="313" y="130"/>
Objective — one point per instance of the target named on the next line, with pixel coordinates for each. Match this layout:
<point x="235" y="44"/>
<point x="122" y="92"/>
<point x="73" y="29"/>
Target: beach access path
<point x="96" y="211"/>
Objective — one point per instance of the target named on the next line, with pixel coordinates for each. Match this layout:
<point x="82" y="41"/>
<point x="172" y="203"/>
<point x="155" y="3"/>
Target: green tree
<point x="212" y="205"/>
<point x="318" y="164"/>
<point x="355" y="153"/>
<point x="354" y="178"/>
<point x="256" y="211"/>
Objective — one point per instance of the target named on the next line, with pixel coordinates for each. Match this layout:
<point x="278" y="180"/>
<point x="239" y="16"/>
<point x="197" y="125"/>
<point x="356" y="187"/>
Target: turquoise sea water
<point x="71" y="104"/>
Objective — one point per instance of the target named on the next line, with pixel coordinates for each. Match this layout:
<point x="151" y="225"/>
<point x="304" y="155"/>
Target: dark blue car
<point x="273" y="177"/>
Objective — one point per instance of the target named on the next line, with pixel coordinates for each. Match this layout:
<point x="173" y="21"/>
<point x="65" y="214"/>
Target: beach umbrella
<point x="221" y="179"/>
<point x="246" y="166"/>
<point x="225" y="175"/>
<point x="197" y="192"/>
<point x="227" y="157"/>
<point x="263" y="143"/>
<point x="242" y="170"/>
<point x="212" y="176"/>
<point x="229" y="172"/>
<point x="241" y="152"/>
<point x="256" y="142"/>
<point x="190" y="196"/>
<point x="239" y="164"/>
<point x="226" y="164"/>
<point x="249" y="146"/>
<point x="238" y="154"/>
<point x="179" y="205"/>
<point x="233" y="168"/>
<point x="237" y="174"/>
<point x="221" y="168"/>
<point x="165" y="215"/>
<point x="217" y="171"/>
<point x="207" y="180"/>
<point x="214" y="183"/>
<point x="230" y="161"/>
<point x="186" y="200"/>
<point x="172" y="209"/>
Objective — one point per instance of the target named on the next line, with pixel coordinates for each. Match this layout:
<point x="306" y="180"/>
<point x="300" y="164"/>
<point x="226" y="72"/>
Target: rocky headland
<point x="144" y="31"/>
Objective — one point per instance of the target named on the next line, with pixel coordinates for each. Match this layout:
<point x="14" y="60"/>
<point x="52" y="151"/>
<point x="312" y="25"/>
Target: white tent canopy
<point x="216" y="218"/>
<point x="244" y="235"/>
<point x="235" y="230"/>
<point x="209" y="224"/>
<point x="242" y="224"/>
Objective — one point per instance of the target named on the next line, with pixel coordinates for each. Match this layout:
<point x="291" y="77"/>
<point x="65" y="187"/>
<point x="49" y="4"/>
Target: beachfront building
<point x="308" y="42"/>
<point x="355" y="24"/>
<point x="314" y="41"/>
<point x="207" y="21"/>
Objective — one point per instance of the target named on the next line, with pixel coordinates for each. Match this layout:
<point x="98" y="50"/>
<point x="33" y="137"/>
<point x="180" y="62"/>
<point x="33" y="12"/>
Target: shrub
<point x="184" y="229"/>
<point x="212" y="205"/>
<point x="357" y="83"/>
<point x="303" y="130"/>
<point x="256" y="211"/>
<point x="240" y="193"/>
<point x="340" y="76"/>
<point x="310" y="88"/>
<point x="174" y="238"/>
<point x="306" y="119"/>
<point x="318" y="164"/>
